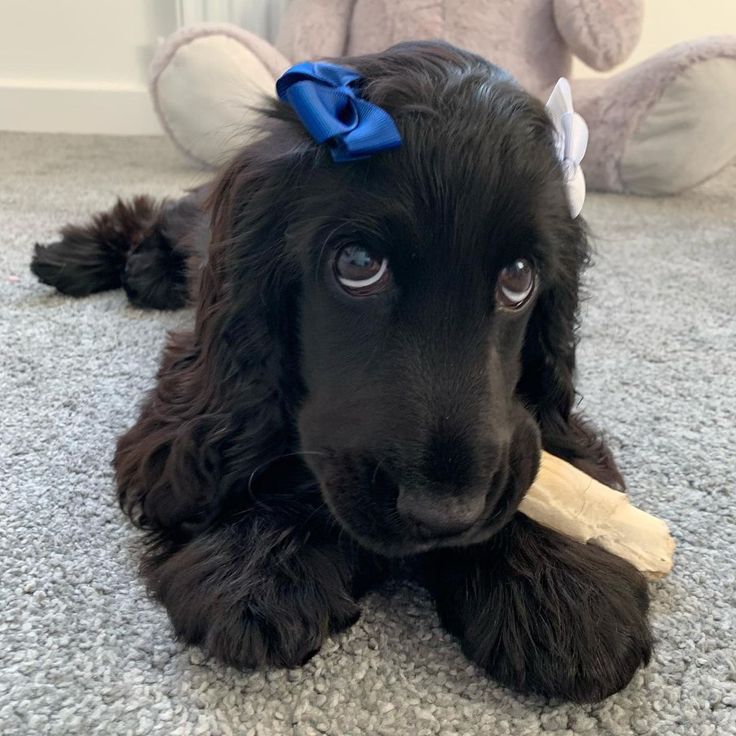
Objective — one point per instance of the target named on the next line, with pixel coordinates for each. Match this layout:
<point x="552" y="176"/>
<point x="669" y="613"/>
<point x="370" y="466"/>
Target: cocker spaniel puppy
<point x="381" y="349"/>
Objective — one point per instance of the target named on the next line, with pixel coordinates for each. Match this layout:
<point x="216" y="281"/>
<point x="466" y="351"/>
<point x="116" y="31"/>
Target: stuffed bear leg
<point x="206" y="83"/>
<point x="665" y="125"/>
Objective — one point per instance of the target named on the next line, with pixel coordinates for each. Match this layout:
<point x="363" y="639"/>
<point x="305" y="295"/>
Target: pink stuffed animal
<point x="660" y="127"/>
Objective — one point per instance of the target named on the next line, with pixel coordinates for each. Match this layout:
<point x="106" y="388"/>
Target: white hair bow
<point x="571" y="141"/>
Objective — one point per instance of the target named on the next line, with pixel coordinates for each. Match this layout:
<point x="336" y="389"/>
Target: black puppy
<point x="381" y="348"/>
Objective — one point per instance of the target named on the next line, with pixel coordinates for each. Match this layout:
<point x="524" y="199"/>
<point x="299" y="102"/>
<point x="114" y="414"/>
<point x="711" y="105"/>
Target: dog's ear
<point x="222" y="406"/>
<point x="548" y="366"/>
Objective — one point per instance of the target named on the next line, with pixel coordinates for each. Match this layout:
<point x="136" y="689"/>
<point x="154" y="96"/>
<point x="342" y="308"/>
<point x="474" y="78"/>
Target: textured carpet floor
<point x="83" y="651"/>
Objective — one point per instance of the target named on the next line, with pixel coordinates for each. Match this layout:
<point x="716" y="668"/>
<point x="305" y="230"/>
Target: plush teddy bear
<point x="659" y="127"/>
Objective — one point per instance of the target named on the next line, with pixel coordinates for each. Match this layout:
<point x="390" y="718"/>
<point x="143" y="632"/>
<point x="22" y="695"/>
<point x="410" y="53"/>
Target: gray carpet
<point x="83" y="651"/>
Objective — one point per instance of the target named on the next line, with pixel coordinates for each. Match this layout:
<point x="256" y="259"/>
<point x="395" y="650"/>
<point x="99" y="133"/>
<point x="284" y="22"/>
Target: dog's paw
<point x="155" y="275"/>
<point x="77" y="266"/>
<point x="251" y="596"/>
<point x="546" y="615"/>
<point x="256" y="636"/>
<point x="581" y="649"/>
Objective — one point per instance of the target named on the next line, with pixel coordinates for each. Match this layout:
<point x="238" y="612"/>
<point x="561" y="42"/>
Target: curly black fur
<point x="297" y="437"/>
<point x="152" y="249"/>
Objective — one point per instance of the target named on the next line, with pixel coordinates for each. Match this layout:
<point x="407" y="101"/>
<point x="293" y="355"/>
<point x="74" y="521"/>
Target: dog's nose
<point x="439" y="516"/>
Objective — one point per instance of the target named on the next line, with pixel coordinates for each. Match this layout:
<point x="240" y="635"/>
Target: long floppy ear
<point x="548" y="372"/>
<point x="222" y="406"/>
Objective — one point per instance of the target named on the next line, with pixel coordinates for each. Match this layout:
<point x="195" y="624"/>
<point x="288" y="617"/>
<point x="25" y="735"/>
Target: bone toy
<point x="569" y="501"/>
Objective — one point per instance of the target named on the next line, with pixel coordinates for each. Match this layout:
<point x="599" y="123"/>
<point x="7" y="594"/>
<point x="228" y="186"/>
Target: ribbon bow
<point x="324" y="98"/>
<point x="571" y="141"/>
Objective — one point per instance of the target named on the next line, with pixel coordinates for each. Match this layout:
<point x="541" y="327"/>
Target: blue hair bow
<point x="324" y="98"/>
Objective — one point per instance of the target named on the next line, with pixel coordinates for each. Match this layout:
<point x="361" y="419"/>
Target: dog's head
<point x="405" y="321"/>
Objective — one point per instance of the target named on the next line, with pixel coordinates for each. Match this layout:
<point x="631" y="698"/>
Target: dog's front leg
<point x="542" y="613"/>
<point x="259" y="590"/>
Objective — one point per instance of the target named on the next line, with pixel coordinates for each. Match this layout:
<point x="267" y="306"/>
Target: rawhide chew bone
<point x="569" y="501"/>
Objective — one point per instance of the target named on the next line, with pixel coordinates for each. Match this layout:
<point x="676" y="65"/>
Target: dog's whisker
<point x="375" y="472"/>
<point x="269" y="462"/>
<point x="319" y="507"/>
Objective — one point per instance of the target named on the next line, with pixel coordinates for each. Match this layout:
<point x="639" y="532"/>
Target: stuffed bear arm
<point x="311" y="29"/>
<point x="602" y="33"/>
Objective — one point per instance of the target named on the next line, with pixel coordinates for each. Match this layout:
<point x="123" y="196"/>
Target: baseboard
<point x="76" y="108"/>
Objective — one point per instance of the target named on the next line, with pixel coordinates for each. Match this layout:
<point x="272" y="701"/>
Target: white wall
<point x="79" y="65"/>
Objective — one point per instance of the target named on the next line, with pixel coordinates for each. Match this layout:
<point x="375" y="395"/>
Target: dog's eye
<point x="359" y="272"/>
<point x="515" y="284"/>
